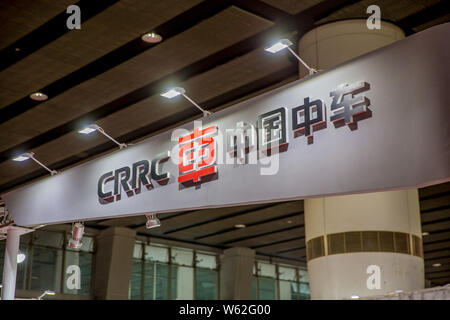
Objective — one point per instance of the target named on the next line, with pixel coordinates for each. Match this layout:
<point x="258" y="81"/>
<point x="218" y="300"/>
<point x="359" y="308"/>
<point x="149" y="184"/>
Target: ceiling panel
<point x="232" y="75"/>
<point x="20" y="17"/>
<point x="292" y="6"/>
<point x="256" y="229"/>
<point x="230" y="222"/>
<point x="214" y="34"/>
<point x="390" y="10"/>
<point x="110" y="29"/>
<point x="269" y="238"/>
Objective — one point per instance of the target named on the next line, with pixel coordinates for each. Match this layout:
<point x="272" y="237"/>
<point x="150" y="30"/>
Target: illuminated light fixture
<point x="21" y="257"/>
<point x="425" y="233"/>
<point x="77" y="235"/>
<point x="172" y="93"/>
<point x="38" y="96"/>
<point x="46" y="293"/>
<point x="354" y="296"/>
<point x="240" y="226"/>
<point x="151" y="37"/>
<point x="152" y="221"/>
<point x="285" y="44"/>
<point x="17" y="49"/>
<point x="94" y="127"/>
<point x="30" y="155"/>
<point x="436" y="265"/>
<point x="289" y="221"/>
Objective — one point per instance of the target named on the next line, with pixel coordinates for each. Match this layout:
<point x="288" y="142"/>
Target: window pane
<point x="206" y="284"/>
<point x="78" y="264"/>
<point x="154" y="253"/>
<point x="47" y="269"/>
<point x="266" y="289"/>
<point x="286" y="273"/>
<point x="137" y="251"/>
<point x="304" y="291"/>
<point x="88" y="244"/>
<point x="22" y="269"/>
<point x="182" y="257"/>
<point x="182" y="283"/>
<point x="254" y="288"/>
<point x="286" y="290"/>
<point x="136" y="280"/>
<point x="48" y="239"/>
<point x="266" y="270"/>
<point x="156" y="282"/>
<point x="303" y="275"/>
<point x="149" y="280"/>
<point x="206" y="261"/>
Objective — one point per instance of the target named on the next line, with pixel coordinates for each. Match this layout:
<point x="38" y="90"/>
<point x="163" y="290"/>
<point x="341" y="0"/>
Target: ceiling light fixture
<point x="77" y="235"/>
<point x="425" y="233"/>
<point x="152" y="221"/>
<point x="21" y="257"/>
<point x="46" y="292"/>
<point x="285" y="44"/>
<point x="38" y="96"/>
<point x="240" y="226"/>
<point x="354" y="296"/>
<point x="436" y="265"/>
<point x="151" y="37"/>
<point x="30" y="155"/>
<point x="94" y="127"/>
<point x="172" y="93"/>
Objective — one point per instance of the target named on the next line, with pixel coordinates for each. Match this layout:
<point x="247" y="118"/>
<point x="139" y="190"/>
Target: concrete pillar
<point x="351" y="234"/>
<point x="113" y="261"/>
<point x="236" y="273"/>
<point x="333" y="43"/>
<point x="10" y="264"/>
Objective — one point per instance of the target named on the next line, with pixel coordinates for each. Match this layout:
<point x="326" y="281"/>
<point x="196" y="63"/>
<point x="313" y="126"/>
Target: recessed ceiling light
<point x="151" y="37"/>
<point x="17" y="49"/>
<point x="425" y="233"/>
<point x="38" y="96"/>
<point x="289" y="221"/>
<point x="436" y="265"/>
<point x="239" y="226"/>
<point x="354" y="296"/>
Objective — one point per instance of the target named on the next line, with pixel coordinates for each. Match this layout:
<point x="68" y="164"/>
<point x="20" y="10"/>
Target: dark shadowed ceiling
<point x="105" y="73"/>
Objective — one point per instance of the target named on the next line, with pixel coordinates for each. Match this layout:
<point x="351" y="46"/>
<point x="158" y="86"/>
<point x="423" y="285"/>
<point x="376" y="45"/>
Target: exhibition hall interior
<point x="95" y="208"/>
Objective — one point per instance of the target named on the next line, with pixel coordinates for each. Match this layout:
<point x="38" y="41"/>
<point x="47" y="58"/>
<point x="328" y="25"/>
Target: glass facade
<point x="50" y="265"/>
<point x="161" y="272"/>
<point x="279" y="282"/>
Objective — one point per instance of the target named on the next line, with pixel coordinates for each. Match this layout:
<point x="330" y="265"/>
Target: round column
<point x="363" y="244"/>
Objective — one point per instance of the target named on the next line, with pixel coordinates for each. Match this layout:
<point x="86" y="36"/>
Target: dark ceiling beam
<point x="48" y="32"/>
<point x="280" y="241"/>
<point x="263" y="10"/>
<point x="428" y="14"/>
<point x="180" y="117"/>
<point x="167" y="30"/>
<point x="230" y="242"/>
<point x="303" y="24"/>
<point x="235" y="214"/>
<point x="271" y="220"/>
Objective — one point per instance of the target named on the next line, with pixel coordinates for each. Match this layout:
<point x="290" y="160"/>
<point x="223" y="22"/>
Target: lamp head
<point x="172" y="93"/>
<point x="278" y="46"/>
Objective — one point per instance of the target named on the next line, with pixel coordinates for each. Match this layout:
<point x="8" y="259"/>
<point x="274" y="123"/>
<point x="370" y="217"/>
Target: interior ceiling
<point x="105" y="73"/>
